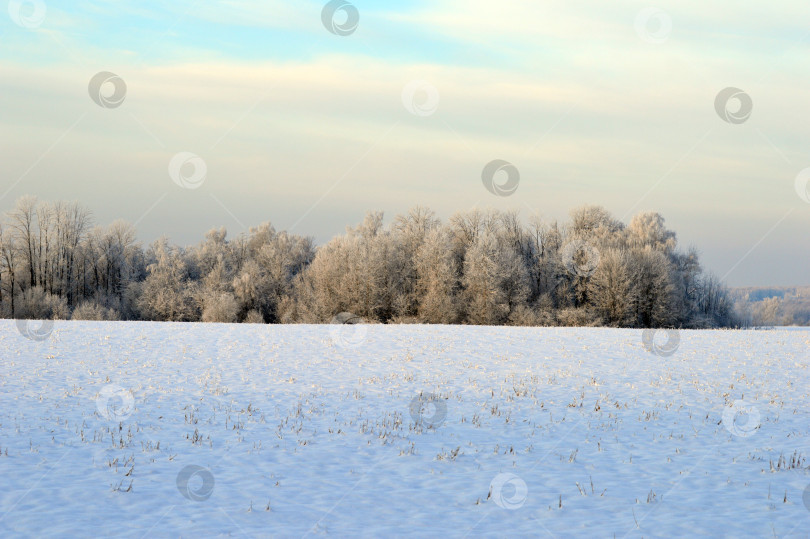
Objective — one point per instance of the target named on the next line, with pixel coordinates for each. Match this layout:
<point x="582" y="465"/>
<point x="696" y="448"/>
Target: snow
<point x="401" y="430"/>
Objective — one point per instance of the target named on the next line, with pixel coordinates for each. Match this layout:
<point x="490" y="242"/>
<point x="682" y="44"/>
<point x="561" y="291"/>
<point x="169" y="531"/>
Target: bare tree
<point x="22" y="220"/>
<point x="9" y="262"/>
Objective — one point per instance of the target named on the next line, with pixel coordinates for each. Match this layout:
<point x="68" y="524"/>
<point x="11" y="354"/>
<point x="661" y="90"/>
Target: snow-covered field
<point x="167" y="430"/>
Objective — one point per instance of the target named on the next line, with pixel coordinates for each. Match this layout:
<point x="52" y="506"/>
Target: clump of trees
<point x="480" y="267"/>
<point x="764" y="307"/>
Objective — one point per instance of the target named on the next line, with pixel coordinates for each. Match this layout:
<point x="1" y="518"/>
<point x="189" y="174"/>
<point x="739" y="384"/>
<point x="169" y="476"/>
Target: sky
<point x="187" y="115"/>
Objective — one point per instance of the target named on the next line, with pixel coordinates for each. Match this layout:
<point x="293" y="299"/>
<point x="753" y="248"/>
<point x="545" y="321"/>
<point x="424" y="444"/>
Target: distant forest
<point x="779" y="306"/>
<point x="479" y="267"/>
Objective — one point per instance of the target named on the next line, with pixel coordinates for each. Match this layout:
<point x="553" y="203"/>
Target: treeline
<point x="480" y="267"/>
<point x="781" y="306"/>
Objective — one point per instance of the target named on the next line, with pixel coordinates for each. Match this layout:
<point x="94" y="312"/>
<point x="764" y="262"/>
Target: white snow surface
<point x="305" y="430"/>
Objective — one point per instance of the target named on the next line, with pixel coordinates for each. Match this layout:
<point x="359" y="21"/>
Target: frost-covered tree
<point x="652" y="288"/>
<point x="166" y="293"/>
<point x="611" y="289"/>
<point x="282" y="259"/>
<point x="220" y="307"/>
<point x="595" y="224"/>
<point x="22" y="221"/>
<point x="91" y="310"/>
<point x="409" y="233"/>
<point x="437" y="279"/>
<point x="485" y="302"/>
<point x="350" y="273"/>
<point x="546" y="271"/>
<point x="648" y="230"/>
<point x="110" y="259"/>
<point x="36" y="303"/>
